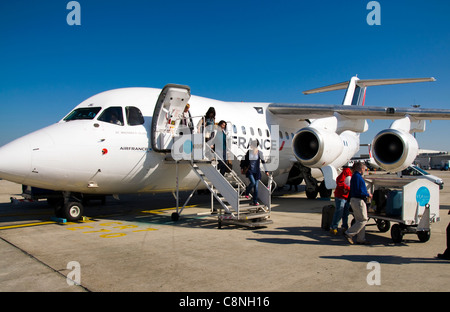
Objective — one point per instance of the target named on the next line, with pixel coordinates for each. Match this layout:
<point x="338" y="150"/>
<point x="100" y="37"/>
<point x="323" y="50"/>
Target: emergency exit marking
<point x="110" y="229"/>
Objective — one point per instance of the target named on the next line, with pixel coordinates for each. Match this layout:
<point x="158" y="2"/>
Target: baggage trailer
<point x="412" y="206"/>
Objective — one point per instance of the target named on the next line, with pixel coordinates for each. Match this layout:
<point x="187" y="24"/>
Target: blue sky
<point x="228" y="50"/>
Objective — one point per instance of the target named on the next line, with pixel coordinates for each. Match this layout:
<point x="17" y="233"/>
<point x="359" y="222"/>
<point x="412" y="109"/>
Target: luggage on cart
<point x="394" y="203"/>
<point x="380" y="198"/>
<point x="327" y="216"/>
<point x="411" y="205"/>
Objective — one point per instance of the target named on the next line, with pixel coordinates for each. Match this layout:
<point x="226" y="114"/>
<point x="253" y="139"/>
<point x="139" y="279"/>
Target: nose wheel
<point x="73" y="211"/>
<point x="70" y="209"/>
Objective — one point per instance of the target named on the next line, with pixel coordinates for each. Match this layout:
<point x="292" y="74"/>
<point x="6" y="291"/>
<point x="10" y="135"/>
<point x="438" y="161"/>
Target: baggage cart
<point x="411" y="206"/>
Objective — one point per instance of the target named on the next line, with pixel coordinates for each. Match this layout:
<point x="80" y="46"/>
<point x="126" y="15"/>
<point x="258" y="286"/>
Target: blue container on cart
<point x="394" y="203"/>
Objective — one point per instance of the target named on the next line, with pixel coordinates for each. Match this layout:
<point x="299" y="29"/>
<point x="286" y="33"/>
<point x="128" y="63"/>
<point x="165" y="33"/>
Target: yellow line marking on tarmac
<point x="26" y="225"/>
<point x="84" y="220"/>
<point x="158" y="211"/>
<point x="87" y="220"/>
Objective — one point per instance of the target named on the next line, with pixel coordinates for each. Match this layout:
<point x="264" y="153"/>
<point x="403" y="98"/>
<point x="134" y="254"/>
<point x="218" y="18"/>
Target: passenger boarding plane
<point x="121" y="141"/>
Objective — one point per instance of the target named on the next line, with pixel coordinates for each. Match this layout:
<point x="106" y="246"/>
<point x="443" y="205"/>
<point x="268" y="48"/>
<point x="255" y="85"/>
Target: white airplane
<point x="119" y="141"/>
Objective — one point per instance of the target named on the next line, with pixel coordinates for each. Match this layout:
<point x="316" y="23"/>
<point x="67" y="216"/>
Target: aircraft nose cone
<point x="15" y="160"/>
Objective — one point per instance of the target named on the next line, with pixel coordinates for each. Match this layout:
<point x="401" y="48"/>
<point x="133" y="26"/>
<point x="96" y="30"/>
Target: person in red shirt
<point x="341" y="200"/>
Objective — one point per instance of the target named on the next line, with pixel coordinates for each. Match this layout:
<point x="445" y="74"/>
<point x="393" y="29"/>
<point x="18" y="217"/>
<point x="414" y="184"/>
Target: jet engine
<point x="394" y="150"/>
<point x="316" y="148"/>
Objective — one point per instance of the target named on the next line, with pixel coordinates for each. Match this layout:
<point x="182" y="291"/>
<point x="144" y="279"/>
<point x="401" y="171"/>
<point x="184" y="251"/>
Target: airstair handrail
<point x="231" y="171"/>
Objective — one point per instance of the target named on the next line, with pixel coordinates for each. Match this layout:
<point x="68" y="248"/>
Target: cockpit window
<point x="83" y="113"/>
<point x="134" y="116"/>
<point x="112" y="115"/>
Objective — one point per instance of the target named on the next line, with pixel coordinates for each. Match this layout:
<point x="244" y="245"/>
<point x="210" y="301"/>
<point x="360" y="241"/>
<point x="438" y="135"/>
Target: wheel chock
<point x="59" y="220"/>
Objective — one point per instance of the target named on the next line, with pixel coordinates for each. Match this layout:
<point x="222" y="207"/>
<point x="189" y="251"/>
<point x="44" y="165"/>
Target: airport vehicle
<point x="410" y="204"/>
<point x="445" y="165"/>
<point x="131" y="140"/>
<point x="414" y="172"/>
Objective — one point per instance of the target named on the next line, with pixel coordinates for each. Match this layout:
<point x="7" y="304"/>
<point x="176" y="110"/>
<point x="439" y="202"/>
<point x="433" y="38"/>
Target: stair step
<point x="245" y="213"/>
<point x="254" y="215"/>
<point x="205" y="161"/>
<point x="243" y="207"/>
<point x="250" y="224"/>
<point x="255" y="220"/>
<point x="242" y="200"/>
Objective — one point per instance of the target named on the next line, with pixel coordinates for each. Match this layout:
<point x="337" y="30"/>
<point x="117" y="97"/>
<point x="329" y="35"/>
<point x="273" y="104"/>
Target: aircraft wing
<point x="315" y="111"/>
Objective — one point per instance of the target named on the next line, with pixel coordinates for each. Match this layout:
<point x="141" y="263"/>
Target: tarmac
<point x="132" y="245"/>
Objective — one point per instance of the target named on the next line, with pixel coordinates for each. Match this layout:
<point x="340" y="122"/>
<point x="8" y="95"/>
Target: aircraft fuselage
<point x="94" y="156"/>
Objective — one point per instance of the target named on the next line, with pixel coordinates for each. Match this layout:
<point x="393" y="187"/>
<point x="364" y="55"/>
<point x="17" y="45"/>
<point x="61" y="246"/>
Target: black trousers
<point x="447" y="251"/>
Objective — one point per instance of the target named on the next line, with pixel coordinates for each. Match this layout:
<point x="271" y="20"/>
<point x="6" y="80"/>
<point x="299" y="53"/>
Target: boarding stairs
<point x="228" y="189"/>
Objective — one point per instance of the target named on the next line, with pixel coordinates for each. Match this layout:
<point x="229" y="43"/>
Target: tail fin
<point x="356" y="94"/>
<point x="356" y="88"/>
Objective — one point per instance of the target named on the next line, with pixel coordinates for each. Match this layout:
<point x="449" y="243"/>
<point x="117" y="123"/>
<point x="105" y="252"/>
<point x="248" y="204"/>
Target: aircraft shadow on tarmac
<point x="24" y="212"/>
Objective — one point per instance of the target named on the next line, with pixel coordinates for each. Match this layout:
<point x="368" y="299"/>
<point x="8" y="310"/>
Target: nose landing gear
<point x="70" y="207"/>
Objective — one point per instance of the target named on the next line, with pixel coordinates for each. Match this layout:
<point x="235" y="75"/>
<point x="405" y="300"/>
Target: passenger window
<point x="281" y="135"/>
<point x="112" y="115"/>
<point x="134" y="116"/>
<point x="252" y="132"/>
<point x="259" y="132"/>
<point x="234" y="129"/>
<point x="267" y="133"/>
<point x="243" y="130"/>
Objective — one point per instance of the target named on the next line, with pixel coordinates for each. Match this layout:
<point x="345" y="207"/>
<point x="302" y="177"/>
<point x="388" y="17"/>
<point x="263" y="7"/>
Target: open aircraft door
<point x="170" y="105"/>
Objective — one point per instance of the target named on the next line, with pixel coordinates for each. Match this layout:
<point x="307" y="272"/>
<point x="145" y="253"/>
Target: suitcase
<point x="327" y="216"/>
<point x="380" y="197"/>
<point x="394" y="204"/>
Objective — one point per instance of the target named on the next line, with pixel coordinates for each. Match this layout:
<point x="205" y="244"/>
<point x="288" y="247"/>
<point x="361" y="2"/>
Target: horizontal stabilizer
<point x="314" y="111"/>
<point x="368" y="83"/>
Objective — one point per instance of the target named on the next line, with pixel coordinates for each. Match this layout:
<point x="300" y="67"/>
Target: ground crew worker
<point x="358" y="197"/>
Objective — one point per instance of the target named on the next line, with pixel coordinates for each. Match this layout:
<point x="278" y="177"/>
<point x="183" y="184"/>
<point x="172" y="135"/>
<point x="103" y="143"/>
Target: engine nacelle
<point x="317" y="148"/>
<point x="394" y="150"/>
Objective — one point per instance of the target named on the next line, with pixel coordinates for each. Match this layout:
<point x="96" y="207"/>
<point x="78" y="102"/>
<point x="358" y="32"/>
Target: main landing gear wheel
<point x="323" y="191"/>
<point x="311" y="193"/>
